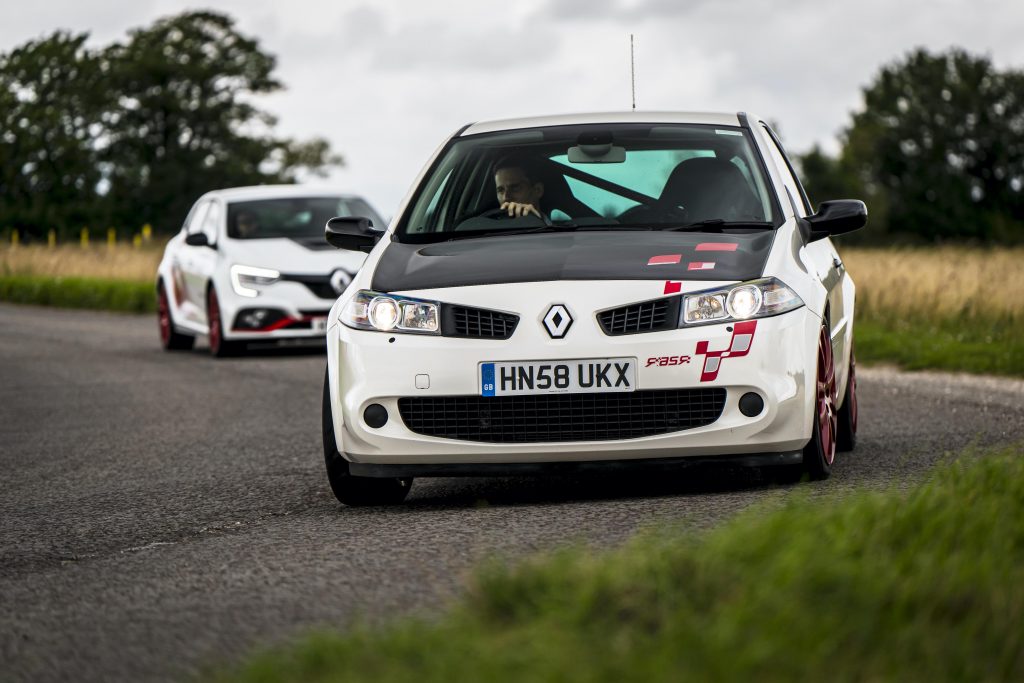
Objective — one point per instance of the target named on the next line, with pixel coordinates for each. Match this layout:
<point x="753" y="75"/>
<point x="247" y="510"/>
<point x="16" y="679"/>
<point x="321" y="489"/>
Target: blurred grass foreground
<point x="918" y="585"/>
<point x="949" y="308"/>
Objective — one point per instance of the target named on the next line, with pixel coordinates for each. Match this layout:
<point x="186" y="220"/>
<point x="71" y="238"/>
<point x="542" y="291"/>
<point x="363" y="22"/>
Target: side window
<point x="196" y="219"/>
<point x="210" y="221"/>
<point x="789" y="178"/>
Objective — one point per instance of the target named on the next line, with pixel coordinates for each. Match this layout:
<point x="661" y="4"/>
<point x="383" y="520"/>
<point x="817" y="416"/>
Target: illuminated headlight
<point x="755" y="299"/>
<point x="244" y="279"/>
<point x="386" y="313"/>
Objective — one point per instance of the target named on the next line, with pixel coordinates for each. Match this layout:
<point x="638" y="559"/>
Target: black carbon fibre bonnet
<point x="618" y="255"/>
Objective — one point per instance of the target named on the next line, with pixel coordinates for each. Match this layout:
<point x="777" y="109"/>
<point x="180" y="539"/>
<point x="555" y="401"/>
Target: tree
<point x="49" y="95"/>
<point x="133" y="133"/>
<point x="184" y="122"/>
<point x="940" y="144"/>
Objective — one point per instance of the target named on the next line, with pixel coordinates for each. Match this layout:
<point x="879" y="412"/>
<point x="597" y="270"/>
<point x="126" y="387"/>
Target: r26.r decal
<point x="666" y="361"/>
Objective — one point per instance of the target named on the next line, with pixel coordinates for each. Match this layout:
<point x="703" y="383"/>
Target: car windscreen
<point x="602" y="177"/>
<point x="294" y="217"/>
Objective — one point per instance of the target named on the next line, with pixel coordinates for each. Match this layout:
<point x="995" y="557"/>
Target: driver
<point x="248" y="225"/>
<point x="519" y="191"/>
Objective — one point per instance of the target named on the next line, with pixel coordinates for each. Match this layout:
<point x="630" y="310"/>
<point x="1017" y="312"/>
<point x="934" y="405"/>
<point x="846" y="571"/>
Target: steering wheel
<point x="654" y="213"/>
<point x="500" y="214"/>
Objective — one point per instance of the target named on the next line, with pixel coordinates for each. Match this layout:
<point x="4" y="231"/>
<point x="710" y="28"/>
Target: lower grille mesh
<point x="562" y="417"/>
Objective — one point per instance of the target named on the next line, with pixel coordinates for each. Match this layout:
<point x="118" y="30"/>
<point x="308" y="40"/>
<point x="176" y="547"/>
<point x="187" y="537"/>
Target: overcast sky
<point x="386" y="81"/>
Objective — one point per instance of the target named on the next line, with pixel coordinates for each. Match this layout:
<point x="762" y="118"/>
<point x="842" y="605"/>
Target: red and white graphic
<point x="701" y="265"/>
<point x="717" y="246"/>
<point x="667" y="361"/>
<point x="665" y="259"/>
<point x="742" y="340"/>
<point x="672" y="287"/>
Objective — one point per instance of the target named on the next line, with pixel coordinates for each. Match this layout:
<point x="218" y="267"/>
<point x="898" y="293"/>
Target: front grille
<point x="478" y="323"/>
<point x="562" y="417"/>
<point x="319" y="285"/>
<point x="646" y="316"/>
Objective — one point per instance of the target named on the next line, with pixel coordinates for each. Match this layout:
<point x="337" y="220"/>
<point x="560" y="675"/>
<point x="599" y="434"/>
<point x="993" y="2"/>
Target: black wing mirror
<point x="197" y="239"/>
<point x="838" y="217"/>
<point x="352" y="233"/>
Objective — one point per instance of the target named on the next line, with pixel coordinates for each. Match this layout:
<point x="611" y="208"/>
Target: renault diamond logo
<point x="339" y="281"/>
<point x="557" y="321"/>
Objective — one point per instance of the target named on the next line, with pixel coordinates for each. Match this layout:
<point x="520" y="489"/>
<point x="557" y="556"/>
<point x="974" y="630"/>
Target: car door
<point x="204" y="259"/>
<point x="186" y="266"/>
<point x="821" y="254"/>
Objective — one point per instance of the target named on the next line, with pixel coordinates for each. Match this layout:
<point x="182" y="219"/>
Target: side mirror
<point x="197" y="239"/>
<point x="352" y="233"/>
<point x="837" y="217"/>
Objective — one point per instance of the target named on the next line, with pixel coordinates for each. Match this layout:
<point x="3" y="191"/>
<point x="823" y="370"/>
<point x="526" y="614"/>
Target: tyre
<point x="219" y="347"/>
<point x="846" y="432"/>
<point x="169" y="339"/>
<point x="820" y="451"/>
<point x="350" y="489"/>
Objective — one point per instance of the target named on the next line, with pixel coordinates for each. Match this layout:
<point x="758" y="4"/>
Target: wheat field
<point x="117" y="262"/>
<point x="939" y="282"/>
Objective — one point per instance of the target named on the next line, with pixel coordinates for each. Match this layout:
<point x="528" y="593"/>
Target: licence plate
<point x="319" y="325"/>
<point x="586" y="376"/>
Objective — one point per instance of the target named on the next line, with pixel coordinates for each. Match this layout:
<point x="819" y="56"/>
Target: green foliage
<point x="133" y="133"/>
<point x="937" y="152"/>
<point x="48" y="160"/>
<point x="917" y="585"/>
<point x="992" y="347"/>
<point x="79" y="292"/>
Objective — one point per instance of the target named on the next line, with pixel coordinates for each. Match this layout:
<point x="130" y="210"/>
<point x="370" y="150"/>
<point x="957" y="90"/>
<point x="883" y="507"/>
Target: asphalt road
<point x="162" y="513"/>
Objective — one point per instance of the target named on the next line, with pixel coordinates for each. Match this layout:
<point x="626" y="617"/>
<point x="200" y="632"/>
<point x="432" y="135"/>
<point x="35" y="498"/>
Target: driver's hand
<point x="517" y="210"/>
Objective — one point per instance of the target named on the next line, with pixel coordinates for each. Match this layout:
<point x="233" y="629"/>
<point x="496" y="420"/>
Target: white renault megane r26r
<point x="251" y="264"/>
<point x="593" y="291"/>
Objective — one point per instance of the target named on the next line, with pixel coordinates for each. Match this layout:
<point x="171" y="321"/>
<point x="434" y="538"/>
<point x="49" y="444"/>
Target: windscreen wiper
<point x="716" y="224"/>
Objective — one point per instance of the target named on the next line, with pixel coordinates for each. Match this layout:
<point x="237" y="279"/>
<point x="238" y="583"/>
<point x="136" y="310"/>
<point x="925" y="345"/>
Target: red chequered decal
<point x="739" y="345"/>
<point x="700" y="265"/>
<point x="717" y="246"/>
<point x="665" y="259"/>
<point x="673" y="287"/>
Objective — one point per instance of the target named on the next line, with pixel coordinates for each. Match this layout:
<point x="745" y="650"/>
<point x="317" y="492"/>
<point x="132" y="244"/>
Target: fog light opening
<point x="375" y="415"/>
<point x="751" y="404"/>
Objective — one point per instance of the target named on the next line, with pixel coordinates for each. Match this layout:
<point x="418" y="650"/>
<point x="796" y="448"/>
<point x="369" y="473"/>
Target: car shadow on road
<point x="508" y="491"/>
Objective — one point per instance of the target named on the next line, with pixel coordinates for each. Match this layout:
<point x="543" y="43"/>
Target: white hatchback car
<point x="251" y="264"/>
<point x="591" y="291"/>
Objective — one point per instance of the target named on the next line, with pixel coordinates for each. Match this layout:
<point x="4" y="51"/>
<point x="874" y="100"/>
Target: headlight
<point x="755" y="299"/>
<point x="243" y="279"/>
<point x="386" y="313"/>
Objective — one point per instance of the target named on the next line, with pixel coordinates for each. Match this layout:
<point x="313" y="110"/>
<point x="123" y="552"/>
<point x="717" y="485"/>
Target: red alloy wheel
<point x="826" y="397"/>
<point x="163" y="317"/>
<point x="213" y="319"/>
<point x="852" y="398"/>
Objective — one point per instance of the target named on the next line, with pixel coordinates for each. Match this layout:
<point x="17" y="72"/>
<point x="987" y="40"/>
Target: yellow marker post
<point x="51" y="238"/>
<point x="15" y="238"/>
<point x="147" y="232"/>
<point x="111" y="238"/>
<point x="84" y="238"/>
<point x="137" y="241"/>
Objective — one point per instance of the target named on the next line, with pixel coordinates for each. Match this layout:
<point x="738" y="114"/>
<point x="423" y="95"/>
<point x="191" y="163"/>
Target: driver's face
<point x="512" y="185"/>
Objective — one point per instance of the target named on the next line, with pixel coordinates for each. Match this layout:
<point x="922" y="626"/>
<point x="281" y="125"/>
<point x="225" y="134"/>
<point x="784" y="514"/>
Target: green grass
<point x="917" y="585"/>
<point x="967" y="345"/>
<point x="79" y="292"/>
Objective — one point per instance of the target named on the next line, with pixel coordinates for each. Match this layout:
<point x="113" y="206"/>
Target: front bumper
<point x="294" y="312"/>
<point x="371" y="367"/>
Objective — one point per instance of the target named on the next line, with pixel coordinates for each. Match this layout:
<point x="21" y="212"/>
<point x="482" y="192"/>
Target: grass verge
<point x="915" y="585"/>
<point x="994" y="347"/>
<point x="79" y="292"/>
